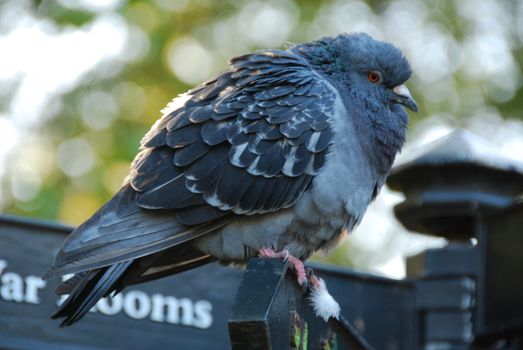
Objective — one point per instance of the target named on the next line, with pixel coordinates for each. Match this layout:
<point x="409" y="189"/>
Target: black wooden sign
<point x="187" y="311"/>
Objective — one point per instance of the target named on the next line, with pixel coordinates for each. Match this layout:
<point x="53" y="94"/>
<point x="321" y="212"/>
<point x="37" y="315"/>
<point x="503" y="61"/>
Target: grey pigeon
<point x="282" y="152"/>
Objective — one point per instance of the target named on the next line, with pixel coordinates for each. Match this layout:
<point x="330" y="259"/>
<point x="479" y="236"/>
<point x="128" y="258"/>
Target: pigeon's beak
<point x="403" y="97"/>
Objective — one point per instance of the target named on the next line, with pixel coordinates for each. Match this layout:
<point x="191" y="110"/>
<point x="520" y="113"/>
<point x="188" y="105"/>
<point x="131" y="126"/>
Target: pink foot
<point x="314" y="281"/>
<point x="285" y="255"/>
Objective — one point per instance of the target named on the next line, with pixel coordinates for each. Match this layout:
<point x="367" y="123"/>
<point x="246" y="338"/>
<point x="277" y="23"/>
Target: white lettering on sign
<point x="33" y="285"/>
<point x="133" y="303"/>
<point x="169" y="309"/>
<point x="203" y="314"/>
<point x="14" y="287"/>
<point x="136" y="304"/>
<point x="158" y="308"/>
<point x="110" y="306"/>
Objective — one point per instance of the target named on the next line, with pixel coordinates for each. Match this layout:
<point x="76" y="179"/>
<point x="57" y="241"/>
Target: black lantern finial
<point x="449" y="182"/>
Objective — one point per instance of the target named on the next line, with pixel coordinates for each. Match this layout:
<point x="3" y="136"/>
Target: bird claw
<point x="266" y="253"/>
<point x="309" y="272"/>
<point x="270" y="253"/>
<point x="305" y="285"/>
<point x="303" y="281"/>
<point x="323" y="303"/>
<point x="299" y="268"/>
<point x="312" y="278"/>
<point x="286" y="254"/>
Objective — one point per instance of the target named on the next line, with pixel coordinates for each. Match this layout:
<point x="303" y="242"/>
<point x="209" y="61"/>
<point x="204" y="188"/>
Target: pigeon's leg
<point x="299" y="268"/>
<point x="314" y="281"/>
<point x="323" y="303"/>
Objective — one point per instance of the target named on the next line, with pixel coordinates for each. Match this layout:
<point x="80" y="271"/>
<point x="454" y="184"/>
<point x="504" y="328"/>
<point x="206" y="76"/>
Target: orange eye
<point x="374" y="77"/>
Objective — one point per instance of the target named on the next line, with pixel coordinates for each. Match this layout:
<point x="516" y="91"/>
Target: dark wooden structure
<point x="188" y="311"/>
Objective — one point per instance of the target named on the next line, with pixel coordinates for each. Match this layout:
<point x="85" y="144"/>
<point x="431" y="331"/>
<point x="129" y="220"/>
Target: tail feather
<point x="94" y="285"/>
<point x="67" y="286"/>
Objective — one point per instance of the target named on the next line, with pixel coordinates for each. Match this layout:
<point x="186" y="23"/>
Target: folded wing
<point x="246" y="143"/>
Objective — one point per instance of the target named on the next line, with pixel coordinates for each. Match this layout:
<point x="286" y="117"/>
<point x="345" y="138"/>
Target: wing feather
<point x="120" y="231"/>
<point x="269" y="116"/>
<point x="245" y="143"/>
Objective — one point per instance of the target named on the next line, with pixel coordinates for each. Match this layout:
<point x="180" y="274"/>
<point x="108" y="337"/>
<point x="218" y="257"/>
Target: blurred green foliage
<point x="466" y="57"/>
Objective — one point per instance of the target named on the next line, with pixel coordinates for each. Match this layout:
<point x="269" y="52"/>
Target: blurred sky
<point x="82" y="80"/>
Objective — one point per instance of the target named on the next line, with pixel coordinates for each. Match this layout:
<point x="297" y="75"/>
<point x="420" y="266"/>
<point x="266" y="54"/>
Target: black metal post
<point x="271" y="312"/>
<point x="470" y="293"/>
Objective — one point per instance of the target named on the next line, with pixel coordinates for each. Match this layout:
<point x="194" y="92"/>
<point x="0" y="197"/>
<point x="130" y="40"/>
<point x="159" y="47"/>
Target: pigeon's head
<point x="370" y="76"/>
<point x="363" y="64"/>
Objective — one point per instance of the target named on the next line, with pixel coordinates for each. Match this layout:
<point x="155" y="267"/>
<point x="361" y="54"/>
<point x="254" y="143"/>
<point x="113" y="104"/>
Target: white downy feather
<point x="323" y="303"/>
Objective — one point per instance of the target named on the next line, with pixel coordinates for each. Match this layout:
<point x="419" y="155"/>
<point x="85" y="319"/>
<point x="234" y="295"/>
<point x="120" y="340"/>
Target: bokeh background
<point x="82" y="80"/>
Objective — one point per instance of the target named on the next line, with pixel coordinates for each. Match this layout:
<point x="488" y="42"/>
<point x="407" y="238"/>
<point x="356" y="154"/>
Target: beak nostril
<point x="402" y="90"/>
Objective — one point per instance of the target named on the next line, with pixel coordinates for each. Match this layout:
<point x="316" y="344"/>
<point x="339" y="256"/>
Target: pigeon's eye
<point x="374" y="77"/>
